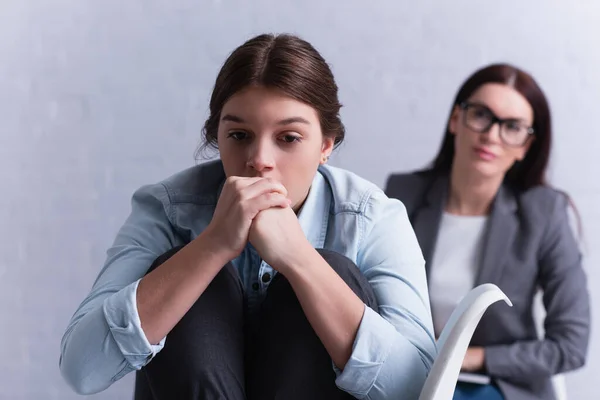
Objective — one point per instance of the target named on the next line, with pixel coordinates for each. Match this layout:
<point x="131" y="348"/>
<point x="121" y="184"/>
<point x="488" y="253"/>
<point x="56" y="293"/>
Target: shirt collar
<point x="314" y="214"/>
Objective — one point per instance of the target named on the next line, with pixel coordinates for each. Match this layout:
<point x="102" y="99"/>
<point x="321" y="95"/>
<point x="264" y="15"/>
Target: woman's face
<point x="491" y="153"/>
<point x="265" y="133"/>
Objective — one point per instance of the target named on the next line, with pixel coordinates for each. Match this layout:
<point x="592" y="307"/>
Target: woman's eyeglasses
<point x="480" y="118"/>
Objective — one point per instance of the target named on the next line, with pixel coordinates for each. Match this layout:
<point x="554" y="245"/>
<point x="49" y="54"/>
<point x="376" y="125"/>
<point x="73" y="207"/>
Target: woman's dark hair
<point x="531" y="171"/>
<point x="284" y="62"/>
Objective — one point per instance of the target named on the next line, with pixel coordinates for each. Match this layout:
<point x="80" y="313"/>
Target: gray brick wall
<point x="98" y="98"/>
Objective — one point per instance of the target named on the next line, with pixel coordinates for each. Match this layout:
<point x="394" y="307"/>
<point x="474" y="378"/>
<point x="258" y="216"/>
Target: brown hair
<point x="531" y="171"/>
<point x="283" y="62"/>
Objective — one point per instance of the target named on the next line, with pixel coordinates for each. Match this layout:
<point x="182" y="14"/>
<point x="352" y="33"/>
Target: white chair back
<point x="455" y="339"/>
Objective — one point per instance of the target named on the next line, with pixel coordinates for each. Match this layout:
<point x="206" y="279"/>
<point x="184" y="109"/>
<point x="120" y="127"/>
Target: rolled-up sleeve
<point x="394" y="348"/>
<point x="104" y="339"/>
<point x="121" y="314"/>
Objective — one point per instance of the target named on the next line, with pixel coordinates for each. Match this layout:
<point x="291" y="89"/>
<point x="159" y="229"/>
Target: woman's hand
<point x="278" y="238"/>
<point x="239" y="203"/>
<point x="474" y="359"/>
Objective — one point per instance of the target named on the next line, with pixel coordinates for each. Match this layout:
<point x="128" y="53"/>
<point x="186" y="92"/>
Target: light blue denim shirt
<point x="394" y="347"/>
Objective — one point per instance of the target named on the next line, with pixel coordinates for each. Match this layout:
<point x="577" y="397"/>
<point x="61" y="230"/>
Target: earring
<point x="325" y="158"/>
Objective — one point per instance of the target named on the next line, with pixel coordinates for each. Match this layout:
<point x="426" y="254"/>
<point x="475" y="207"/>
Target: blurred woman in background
<point x="483" y="213"/>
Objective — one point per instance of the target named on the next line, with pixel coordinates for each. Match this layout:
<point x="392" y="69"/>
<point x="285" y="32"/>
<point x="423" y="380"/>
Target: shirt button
<point x="255" y="286"/>
<point x="266" y="277"/>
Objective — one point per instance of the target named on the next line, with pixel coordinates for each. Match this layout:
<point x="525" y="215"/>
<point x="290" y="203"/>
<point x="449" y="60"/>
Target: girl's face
<point x="265" y="133"/>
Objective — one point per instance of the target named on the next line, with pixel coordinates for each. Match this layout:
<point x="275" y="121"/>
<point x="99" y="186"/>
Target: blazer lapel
<point x="426" y="219"/>
<point x="500" y="233"/>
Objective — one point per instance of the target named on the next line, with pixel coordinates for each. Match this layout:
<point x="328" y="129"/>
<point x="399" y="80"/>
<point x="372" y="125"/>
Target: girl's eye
<point x="238" y="135"/>
<point x="290" y="138"/>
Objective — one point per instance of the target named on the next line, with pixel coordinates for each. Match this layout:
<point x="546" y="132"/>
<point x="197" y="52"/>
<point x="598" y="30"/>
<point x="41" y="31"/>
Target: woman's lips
<point x="484" y="154"/>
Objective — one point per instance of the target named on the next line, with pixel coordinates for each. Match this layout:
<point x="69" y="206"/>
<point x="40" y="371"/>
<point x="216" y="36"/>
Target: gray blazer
<point x="529" y="245"/>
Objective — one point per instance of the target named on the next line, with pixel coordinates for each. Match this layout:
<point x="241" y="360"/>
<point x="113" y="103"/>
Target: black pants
<point x="212" y="354"/>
